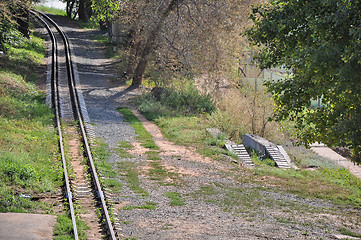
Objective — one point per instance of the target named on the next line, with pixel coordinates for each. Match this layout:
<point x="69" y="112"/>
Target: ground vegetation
<point x="28" y="142"/>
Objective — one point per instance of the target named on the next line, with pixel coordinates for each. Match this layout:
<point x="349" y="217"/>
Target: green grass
<point x="113" y="184"/>
<point x="257" y="159"/>
<point x="144" y="137"/>
<point x="188" y="131"/>
<point x="337" y="185"/>
<point x="51" y="10"/>
<point x="110" y="174"/>
<point x="122" y="149"/>
<point x="87" y="25"/>
<point x="101" y="38"/>
<point x="176" y="101"/>
<point x="64" y="228"/>
<point x="149" y="206"/>
<point x="153" y="155"/>
<point x="327" y="181"/>
<point x="175" y="198"/>
<point x="158" y="172"/>
<point x="347" y="232"/>
<point x="101" y="154"/>
<point x="27" y="140"/>
<point x="130" y="172"/>
<point x="24" y="56"/>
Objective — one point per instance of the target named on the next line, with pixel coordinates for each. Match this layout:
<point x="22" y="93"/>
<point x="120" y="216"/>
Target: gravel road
<point x="216" y="204"/>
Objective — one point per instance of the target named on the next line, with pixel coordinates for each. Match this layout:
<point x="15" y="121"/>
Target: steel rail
<point x="55" y="104"/>
<point x="76" y="105"/>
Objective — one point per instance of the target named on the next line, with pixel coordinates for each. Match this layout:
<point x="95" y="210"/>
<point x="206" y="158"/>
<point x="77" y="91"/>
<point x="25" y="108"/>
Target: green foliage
<point x="27" y="144"/>
<point x="143" y="136"/>
<point x="9" y="202"/>
<point x="12" y="171"/>
<point x="106" y="10"/>
<point x="23" y="55"/>
<point x="122" y="149"/>
<point x="218" y="141"/>
<point x="148" y="206"/>
<point x="320" y="42"/>
<point x="258" y="159"/>
<point x="185" y="100"/>
<point x="9" y="35"/>
<point x="64" y="228"/>
<point x="130" y="172"/>
<point x="51" y="10"/>
<point x="347" y="232"/>
<point x="175" y="198"/>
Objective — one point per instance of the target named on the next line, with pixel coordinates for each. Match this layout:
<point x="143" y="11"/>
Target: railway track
<point x="65" y="101"/>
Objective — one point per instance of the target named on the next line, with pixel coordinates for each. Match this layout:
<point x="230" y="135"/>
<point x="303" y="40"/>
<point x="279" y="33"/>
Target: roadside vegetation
<point x="50" y="10"/>
<point x="184" y="122"/>
<point x="30" y="172"/>
<point x="28" y="143"/>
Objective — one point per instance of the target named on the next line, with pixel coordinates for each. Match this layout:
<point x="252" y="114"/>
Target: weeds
<point x="122" y="149"/>
<point x="175" y="198"/>
<point x="149" y="206"/>
<point x="153" y="155"/>
<point x="64" y="228"/>
<point x="144" y="137"/>
<point x="130" y="173"/>
<point x="185" y="100"/>
<point x="27" y="140"/>
<point x="347" y="232"/>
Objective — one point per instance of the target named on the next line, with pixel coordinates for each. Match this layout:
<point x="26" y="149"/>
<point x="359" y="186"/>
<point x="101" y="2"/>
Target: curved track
<point x="58" y="101"/>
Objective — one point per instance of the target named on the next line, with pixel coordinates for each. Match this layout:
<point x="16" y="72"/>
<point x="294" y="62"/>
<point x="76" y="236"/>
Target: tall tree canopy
<point x="179" y="36"/>
<point x="320" y="42"/>
<point x="78" y="8"/>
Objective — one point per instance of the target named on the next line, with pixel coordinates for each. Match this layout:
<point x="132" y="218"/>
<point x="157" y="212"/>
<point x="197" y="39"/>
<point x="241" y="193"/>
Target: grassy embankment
<point x="29" y="165"/>
<point x="28" y="141"/>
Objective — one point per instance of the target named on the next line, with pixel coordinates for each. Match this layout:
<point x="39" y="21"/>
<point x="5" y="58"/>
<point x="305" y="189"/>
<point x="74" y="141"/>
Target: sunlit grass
<point x="51" y="10"/>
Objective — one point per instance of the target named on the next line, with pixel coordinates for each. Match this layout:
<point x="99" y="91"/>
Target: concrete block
<point x="256" y="142"/>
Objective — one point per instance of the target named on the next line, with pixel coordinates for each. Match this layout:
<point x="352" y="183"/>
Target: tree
<point x="78" y="8"/>
<point x="176" y="37"/>
<point x="320" y="42"/>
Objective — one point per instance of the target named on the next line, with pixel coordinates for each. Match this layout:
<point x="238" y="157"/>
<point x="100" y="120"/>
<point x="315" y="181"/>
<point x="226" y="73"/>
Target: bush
<point x="185" y="101"/>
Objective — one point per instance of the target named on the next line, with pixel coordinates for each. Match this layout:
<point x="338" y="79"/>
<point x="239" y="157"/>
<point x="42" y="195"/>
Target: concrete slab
<point x="327" y="152"/>
<point x="26" y="226"/>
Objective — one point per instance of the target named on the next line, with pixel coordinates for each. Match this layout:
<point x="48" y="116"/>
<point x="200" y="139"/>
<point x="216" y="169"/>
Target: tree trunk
<point x="69" y="9"/>
<point x="149" y="45"/>
<point x="82" y="11"/>
<point x="134" y="52"/>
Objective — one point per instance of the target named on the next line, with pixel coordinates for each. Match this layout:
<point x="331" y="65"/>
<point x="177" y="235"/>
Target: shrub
<point x="187" y="101"/>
